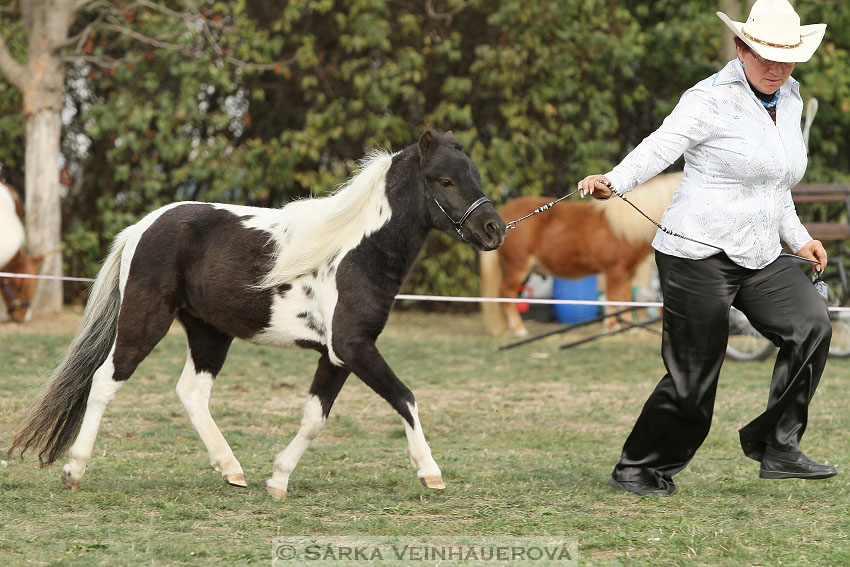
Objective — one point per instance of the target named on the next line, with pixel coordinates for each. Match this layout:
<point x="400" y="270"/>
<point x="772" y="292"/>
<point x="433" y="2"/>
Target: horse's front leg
<point x="420" y="453"/>
<point x="364" y="359"/>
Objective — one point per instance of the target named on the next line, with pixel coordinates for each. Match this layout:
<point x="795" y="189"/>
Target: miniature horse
<point x="573" y="239"/>
<point x="317" y="273"/>
<point x="17" y="292"/>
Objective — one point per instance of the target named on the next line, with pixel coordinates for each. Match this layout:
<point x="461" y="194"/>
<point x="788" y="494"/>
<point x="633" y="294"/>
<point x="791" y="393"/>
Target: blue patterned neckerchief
<point x="772" y="102"/>
<point x="768" y="104"/>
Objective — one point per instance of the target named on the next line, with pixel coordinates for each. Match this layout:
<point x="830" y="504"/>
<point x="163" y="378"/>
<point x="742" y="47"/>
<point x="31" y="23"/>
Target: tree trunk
<point x="47" y="23"/>
<point x="43" y="219"/>
<point x="732" y="8"/>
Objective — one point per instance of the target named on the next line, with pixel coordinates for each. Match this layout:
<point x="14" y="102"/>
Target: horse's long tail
<point x="54" y="420"/>
<point x="490" y="269"/>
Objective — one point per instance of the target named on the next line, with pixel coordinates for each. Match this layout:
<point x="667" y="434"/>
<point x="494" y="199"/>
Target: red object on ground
<point x="529" y="293"/>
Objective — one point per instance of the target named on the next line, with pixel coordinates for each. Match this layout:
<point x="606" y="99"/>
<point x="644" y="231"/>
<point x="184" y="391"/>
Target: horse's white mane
<point x="653" y="198"/>
<point x="11" y="229"/>
<point x="309" y="232"/>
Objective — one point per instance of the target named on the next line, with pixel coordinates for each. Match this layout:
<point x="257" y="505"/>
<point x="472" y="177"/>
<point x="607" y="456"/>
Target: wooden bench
<point x="835" y="228"/>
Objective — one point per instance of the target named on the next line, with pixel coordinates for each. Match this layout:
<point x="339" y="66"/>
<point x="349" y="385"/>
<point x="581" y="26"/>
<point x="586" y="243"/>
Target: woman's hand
<point x="592" y="185"/>
<point x="814" y="250"/>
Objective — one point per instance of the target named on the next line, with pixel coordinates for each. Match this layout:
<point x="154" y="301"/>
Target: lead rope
<point x="547" y="206"/>
<point x="819" y="284"/>
<point x="673" y="233"/>
<point x="653" y="221"/>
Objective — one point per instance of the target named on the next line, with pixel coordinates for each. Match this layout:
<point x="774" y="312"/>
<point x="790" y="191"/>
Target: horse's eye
<point x="446" y="182"/>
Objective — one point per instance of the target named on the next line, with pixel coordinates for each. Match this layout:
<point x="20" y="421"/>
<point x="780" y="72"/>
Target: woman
<point x="740" y="133"/>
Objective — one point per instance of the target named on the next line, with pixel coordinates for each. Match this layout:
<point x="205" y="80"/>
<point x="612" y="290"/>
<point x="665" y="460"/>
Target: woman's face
<point x="764" y="75"/>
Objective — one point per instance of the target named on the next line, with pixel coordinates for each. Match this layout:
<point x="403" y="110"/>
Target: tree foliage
<point x="540" y="92"/>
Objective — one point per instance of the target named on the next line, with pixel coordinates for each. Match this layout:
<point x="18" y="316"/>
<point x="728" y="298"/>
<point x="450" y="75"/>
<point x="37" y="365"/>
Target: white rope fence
<point x="445" y="298"/>
<point x="35" y="277"/>
<point x="467" y="299"/>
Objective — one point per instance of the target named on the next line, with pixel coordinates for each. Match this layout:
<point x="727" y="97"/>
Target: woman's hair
<point x="740" y="43"/>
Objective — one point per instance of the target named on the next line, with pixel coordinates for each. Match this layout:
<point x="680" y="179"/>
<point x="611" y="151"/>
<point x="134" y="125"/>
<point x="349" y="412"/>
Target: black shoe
<point x="780" y="464"/>
<point x="641" y="488"/>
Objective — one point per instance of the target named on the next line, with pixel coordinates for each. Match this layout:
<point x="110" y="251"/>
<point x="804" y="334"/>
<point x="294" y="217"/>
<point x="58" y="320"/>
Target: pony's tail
<point x="54" y="420"/>
<point x="490" y="269"/>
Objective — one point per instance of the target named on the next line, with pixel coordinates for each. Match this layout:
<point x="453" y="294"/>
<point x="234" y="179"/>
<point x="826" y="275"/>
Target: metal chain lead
<point x="547" y="206"/>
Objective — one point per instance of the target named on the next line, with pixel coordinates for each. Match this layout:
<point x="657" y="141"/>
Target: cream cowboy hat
<point x="773" y="31"/>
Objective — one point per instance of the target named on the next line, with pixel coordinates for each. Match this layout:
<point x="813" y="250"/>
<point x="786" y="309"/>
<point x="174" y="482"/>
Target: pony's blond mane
<point x="309" y="232"/>
<point x="653" y="198"/>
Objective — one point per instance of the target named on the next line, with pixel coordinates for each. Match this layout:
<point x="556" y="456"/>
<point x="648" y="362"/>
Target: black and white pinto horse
<point x="317" y="273"/>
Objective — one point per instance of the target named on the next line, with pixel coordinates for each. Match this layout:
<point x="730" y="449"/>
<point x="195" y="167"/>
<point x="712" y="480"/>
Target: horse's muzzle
<point x="491" y="233"/>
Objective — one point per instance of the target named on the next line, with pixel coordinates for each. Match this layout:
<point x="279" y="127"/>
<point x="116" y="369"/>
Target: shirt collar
<point x="733" y="72"/>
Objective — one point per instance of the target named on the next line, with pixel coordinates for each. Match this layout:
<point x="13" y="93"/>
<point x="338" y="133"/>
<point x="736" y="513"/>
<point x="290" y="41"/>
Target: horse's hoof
<point x="68" y="483"/>
<point x="237" y="479"/>
<point x="276" y="493"/>
<point x="433" y="482"/>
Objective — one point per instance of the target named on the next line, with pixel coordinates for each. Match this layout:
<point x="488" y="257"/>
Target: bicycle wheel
<point x="839" y="347"/>
<point x="745" y="343"/>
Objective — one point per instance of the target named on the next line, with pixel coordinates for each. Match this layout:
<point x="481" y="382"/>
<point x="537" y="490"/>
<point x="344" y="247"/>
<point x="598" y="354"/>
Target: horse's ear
<point x="452" y="140"/>
<point x="426" y="146"/>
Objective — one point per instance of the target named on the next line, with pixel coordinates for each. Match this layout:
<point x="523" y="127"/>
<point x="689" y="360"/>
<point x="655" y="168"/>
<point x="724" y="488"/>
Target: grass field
<point x="526" y="439"/>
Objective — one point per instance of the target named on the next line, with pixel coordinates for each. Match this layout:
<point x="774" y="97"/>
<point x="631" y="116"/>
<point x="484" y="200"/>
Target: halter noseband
<point x="459" y="224"/>
<point x="14" y="302"/>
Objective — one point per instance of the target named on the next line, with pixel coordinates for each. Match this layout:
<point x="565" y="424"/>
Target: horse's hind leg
<point x="515" y="275"/>
<point x="327" y="383"/>
<point x="207" y="351"/>
<point x="139" y="329"/>
<point x="618" y="287"/>
<point x="103" y="390"/>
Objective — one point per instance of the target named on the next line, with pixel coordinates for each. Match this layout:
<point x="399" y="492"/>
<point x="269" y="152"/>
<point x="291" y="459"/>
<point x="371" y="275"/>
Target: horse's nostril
<point x="492" y="228"/>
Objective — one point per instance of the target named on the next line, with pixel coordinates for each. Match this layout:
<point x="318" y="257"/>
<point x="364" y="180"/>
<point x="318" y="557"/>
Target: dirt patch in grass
<point x="64" y="323"/>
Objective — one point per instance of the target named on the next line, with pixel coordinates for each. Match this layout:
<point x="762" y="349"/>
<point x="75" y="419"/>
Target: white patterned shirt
<point x="739" y="170"/>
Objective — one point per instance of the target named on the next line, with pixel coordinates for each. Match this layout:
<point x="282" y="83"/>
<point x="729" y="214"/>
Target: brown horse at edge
<point x="16" y="292"/>
<point x="573" y="239"/>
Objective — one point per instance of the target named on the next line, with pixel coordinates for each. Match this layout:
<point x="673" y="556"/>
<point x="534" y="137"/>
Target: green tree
<point x="163" y="105"/>
<point x="44" y="36"/>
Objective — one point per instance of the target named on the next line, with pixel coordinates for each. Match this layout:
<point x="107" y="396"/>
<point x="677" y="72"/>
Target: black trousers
<point x="781" y="302"/>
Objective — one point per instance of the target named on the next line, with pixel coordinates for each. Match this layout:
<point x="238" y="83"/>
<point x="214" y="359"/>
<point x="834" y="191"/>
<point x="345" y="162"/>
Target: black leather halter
<point x="14" y="302"/>
<point x="459" y="223"/>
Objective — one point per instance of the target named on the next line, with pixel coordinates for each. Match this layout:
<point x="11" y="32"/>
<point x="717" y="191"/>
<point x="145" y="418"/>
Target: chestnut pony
<point x="572" y="240"/>
<point x="16" y="292"/>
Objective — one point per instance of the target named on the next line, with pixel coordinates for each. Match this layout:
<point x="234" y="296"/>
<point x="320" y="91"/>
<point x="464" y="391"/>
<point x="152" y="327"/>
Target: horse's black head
<point x="457" y="204"/>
